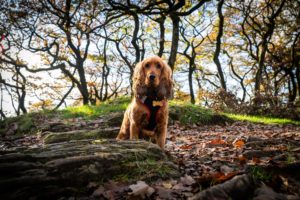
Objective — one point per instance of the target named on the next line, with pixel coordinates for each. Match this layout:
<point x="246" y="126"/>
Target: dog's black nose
<point x="152" y="77"/>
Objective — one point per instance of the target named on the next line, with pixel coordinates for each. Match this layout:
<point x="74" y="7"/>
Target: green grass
<point x="260" y="174"/>
<point x="188" y="113"/>
<point x="261" y="119"/>
<point x="92" y="112"/>
<point x="182" y="111"/>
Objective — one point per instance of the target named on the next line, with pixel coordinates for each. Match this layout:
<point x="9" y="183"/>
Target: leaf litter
<point x="216" y="161"/>
<point x="214" y="158"/>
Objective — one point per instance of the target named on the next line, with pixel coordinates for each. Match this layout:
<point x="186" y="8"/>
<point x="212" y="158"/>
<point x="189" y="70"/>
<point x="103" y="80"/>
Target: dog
<point x="147" y="114"/>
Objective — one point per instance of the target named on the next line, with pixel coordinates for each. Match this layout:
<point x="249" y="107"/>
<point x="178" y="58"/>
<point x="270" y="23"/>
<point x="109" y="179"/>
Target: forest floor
<point x="234" y="160"/>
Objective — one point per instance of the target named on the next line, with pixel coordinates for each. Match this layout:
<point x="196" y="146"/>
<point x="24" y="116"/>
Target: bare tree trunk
<point x="190" y="77"/>
<point x="218" y="46"/>
<point x="261" y="61"/>
<point x="2" y="115"/>
<point x="293" y="92"/>
<point x="135" y="37"/>
<point x="64" y="97"/>
<point x="175" y="37"/>
<point x="298" y="78"/>
<point x="161" y="22"/>
<point x="296" y="60"/>
<point x="83" y="83"/>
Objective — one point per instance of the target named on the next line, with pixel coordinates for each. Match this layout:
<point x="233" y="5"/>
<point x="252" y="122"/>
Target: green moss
<point x="99" y="134"/>
<point x="19" y="125"/>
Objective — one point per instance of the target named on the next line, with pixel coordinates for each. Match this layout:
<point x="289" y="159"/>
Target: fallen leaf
<point x="242" y="159"/>
<point x="167" y="185"/>
<point x="187" y="180"/>
<point x="239" y="144"/>
<point x="186" y="147"/>
<point x="255" y="160"/>
<point x="180" y="187"/>
<point x="226" y="169"/>
<point x="99" y="192"/>
<point x="164" y="193"/>
<point x="141" y="189"/>
<point x="217" y="141"/>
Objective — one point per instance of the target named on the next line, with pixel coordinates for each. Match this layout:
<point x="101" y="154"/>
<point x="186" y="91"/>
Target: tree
<point x="218" y="45"/>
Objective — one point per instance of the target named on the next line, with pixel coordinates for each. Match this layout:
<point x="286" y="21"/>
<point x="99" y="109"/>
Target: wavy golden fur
<point x="147" y="115"/>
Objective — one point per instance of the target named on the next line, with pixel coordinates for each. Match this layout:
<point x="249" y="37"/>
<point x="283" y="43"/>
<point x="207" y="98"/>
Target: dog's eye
<point x="147" y="65"/>
<point x="158" y="66"/>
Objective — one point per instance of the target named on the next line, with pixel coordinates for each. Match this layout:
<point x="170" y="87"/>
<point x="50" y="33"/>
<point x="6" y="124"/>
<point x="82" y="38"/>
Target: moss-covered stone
<point x="65" y="169"/>
<point x="80" y="135"/>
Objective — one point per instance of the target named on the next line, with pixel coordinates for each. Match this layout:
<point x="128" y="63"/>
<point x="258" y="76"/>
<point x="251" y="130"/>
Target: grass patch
<point x="261" y="119"/>
<point x="260" y="174"/>
<point x="184" y="112"/>
<point x="188" y="113"/>
<point x="92" y="112"/>
<point x="290" y="159"/>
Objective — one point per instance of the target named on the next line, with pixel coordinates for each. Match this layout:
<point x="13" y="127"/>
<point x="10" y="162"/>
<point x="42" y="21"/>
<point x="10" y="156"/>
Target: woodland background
<point x="234" y="55"/>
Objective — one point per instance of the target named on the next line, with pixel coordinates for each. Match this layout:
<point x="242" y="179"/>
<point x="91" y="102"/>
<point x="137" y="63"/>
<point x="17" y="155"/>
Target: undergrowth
<point x="184" y="112"/>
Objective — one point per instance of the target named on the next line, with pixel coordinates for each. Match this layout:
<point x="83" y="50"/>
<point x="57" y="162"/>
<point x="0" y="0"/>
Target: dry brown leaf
<point x="141" y="189"/>
<point x="217" y="141"/>
<point x="186" y="147"/>
<point x="239" y="144"/>
<point x="187" y="180"/>
<point x="242" y="159"/>
<point x="220" y="177"/>
<point x="255" y="160"/>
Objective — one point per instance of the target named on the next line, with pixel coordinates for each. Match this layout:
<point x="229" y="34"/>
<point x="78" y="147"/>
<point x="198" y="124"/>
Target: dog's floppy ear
<point x="139" y="88"/>
<point x="165" y="88"/>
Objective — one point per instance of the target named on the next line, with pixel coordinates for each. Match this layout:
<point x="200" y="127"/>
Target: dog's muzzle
<point x="152" y="77"/>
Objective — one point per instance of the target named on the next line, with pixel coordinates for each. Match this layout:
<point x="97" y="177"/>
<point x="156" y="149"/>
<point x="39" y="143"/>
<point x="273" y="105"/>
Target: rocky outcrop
<point x="67" y="168"/>
<point x="100" y="133"/>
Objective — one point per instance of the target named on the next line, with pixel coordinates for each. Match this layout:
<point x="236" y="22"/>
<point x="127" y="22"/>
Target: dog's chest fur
<point x="153" y="113"/>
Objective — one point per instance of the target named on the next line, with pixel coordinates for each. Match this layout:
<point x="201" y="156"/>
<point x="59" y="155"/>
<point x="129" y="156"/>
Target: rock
<point x="114" y="119"/>
<point x="267" y="193"/>
<point x="66" y="169"/>
<point x="240" y="187"/>
<point x="100" y="133"/>
<point x="249" y="154"/>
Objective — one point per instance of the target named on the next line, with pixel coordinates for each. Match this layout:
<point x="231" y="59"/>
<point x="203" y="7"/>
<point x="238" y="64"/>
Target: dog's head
<point x="153" y="74"/>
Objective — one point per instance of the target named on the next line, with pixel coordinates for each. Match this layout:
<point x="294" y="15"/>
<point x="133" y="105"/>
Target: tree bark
<point x="175" y="38"/>
<point x="161" y="22"/>
<point x="264" y="46"/>
<point x="83" y="84"/>
<point x="190" y="76"/>
<point x="218" y="46"/>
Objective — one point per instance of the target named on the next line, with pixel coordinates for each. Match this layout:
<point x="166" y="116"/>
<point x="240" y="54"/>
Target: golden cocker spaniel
<point x="147" y="115"/>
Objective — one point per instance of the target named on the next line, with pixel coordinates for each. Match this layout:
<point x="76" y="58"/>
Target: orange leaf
<point x="239" y="144"/>
<point x="186" y="147"/>
<point x="217" y="141"/>
<point x="227" y="176"/>
<point x="255" y="160"/>
<point x="220" y="177"/>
